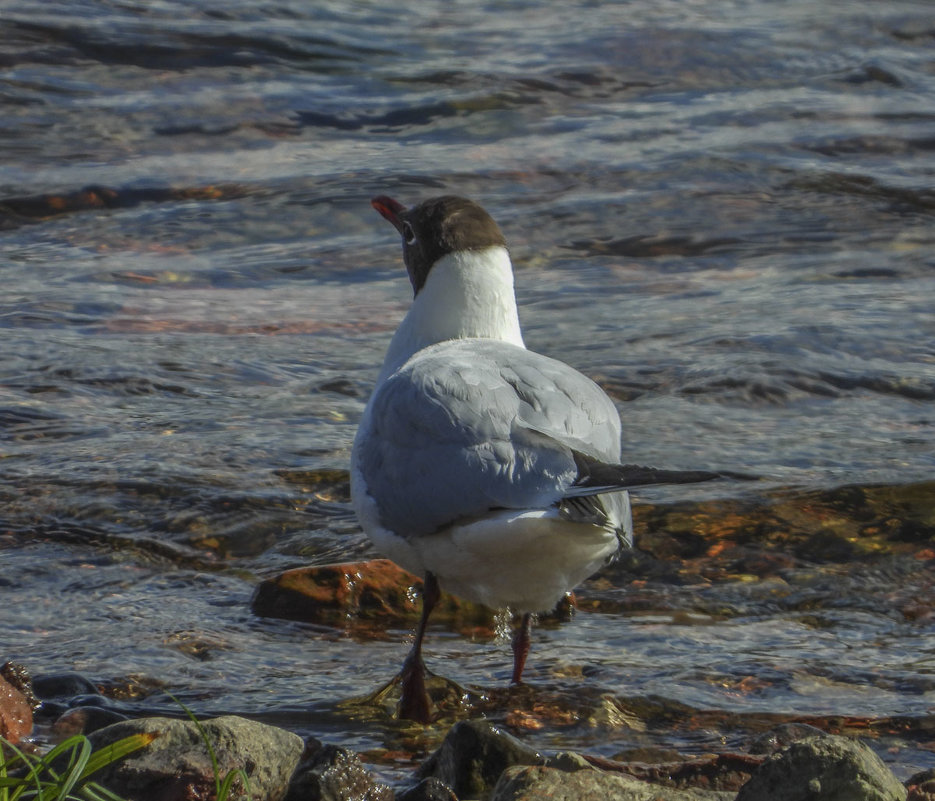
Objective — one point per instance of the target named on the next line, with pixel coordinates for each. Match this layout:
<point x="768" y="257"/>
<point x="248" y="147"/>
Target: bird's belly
<point x="526" y="561"/>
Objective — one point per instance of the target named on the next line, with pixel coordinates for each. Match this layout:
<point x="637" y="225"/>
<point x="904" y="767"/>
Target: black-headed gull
<point x="490" y="470"/>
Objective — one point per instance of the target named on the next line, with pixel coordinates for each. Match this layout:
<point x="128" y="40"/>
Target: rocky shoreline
<point x="479" y="752"/>
<point x="476" y="760"/>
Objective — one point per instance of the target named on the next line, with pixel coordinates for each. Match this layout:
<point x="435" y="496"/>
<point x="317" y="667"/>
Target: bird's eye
<point x="408" y="234"/>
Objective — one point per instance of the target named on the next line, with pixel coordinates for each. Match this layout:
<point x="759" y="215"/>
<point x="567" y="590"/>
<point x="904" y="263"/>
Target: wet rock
<point x="782" y="736"/>
<point x="373" y="591"/>
<point x="829" y="768"/>
<point x="763" y="536"/>
<point x="535" y="709"/>
<point x="335" y="774"/>
<point x="921" y="786"/>
<point x="447" y="698"/>
<point x="63" y="685"/>
<point x="430" y="789"/>
<point x="473" y="755"/>
<point x="84" y="720"/>
<point x="176" y="766"/>
<point x="726" y="772"/>
<point x="537" y="782"/>
<point x="568" y="761"/>
<point x="18" y="676"/>
<point x="15" y="713"/>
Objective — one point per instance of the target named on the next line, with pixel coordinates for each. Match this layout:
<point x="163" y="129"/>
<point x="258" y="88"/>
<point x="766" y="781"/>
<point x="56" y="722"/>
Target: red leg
<point x="521" y="642"/>
<point x="414" y="703"/>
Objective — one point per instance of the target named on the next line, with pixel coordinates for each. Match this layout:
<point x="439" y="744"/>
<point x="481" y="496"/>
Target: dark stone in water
<point x="84" y="720"/>
<point x="90" y="699"/>
<point x="921" y="786"/>
<point x="473" y="755"/>
<point x="63" y="685"/>
<point x="335" y="774"/>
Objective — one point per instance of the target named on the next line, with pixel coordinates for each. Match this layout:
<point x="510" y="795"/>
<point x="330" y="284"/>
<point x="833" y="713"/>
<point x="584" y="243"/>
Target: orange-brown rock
<point x="371" y="593"/>
<point x="15" y="713"/>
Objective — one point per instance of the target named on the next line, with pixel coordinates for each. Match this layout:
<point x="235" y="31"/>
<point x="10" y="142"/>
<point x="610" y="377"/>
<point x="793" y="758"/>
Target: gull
<point x="482" y="466"/>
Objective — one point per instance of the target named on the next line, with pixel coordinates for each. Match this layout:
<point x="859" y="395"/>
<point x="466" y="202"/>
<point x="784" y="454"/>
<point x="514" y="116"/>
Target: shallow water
<point x="721" y="212"/>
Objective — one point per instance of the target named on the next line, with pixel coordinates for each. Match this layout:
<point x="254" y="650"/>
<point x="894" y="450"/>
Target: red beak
<point x="389" y="209"/>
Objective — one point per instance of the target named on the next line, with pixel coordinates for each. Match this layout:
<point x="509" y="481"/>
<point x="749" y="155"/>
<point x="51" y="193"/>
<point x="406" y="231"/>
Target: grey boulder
<point x="176" y="765"/>
<point x="825" y="768"/>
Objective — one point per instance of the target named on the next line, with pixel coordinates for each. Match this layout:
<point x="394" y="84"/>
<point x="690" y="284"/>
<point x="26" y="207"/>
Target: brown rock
<point x="18" y="676"/>
<point x="15" y="713"/>
<point x="375" y="592"/>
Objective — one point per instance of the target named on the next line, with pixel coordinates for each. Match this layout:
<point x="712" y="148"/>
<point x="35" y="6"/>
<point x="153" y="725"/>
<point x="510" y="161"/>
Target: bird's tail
<point x="599" y="493"/>
<point x="609" y="510"/>
<point x="595" y="477"/>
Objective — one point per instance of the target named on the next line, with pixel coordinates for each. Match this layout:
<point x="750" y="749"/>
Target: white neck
<point x="466" y="294"/>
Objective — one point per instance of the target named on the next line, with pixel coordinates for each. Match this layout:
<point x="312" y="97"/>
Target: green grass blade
<point x="207" y="742"/>
<point x="226" y="788"/>
<point x="19" y="785"/>
<point x="91" y="791"/>
<point x="116" y="751"/>
<point x="69" y="779"/>
<point x="79" y="754"/>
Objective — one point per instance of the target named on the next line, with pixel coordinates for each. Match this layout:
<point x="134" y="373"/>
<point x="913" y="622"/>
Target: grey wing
<point x="473" y="425"/>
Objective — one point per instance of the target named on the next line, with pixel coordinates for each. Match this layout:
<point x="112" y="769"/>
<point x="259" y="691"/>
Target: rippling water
<point x="723" y="212"/>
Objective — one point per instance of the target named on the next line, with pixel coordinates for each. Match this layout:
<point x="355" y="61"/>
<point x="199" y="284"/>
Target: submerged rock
<point x="335" y="774"/>
<point x="782" y="736"/>
<point x="828" y="768"/>
<point x="63" y="686"/>
<point x="375" y="591"/>
<point x="473" y="755"/>
<point x="177" y="766"/>
<point x="84" y="720"/>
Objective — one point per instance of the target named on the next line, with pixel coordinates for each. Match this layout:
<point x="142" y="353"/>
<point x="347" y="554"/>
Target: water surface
<point x="723" y="213"/>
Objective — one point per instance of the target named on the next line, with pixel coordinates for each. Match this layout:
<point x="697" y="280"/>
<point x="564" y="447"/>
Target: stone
<point x="726" y="772"/>
<point x="921" y="786"/>
<point x="568" y="761"/>
<point x="335" y="774"/>
<point x="15" y="713"/>
<point x="84" y="720"/>
<point x="782" y="736"/>
<point x="63" y="685"/>
<point x="828" y="768"/>
<point x="176" y="766"/>
<point x="375" y="591"/>
<point x="533" y="783"/>
<point x="430" y="789"/>
<point x="18" y="676"/>
<point x="473" y="755"/>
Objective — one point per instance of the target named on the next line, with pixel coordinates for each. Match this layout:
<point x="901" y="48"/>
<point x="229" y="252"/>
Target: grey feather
<point x="466" y="426"/>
